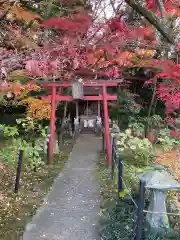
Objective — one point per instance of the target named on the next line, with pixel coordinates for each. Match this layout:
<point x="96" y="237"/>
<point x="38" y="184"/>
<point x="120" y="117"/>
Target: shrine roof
<point x="88" y="83"/>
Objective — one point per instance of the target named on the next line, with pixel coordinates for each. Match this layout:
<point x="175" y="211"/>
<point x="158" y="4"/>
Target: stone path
<point x="70" y="211"/>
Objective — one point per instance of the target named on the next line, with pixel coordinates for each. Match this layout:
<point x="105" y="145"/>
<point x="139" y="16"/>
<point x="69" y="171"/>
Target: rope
<point x="123" y="164"/>
<point x="114" y="159"/>
<point x="135" y="204"/>
<point x="174" y="214"/>
<point x="115" y="164"/>
<point x="157" y="185"/>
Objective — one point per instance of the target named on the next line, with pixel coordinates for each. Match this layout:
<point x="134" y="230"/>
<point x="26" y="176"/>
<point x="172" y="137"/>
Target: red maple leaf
<point x="174" y="133"/>
<point x="116" y="24"/>
<point x="151" y="5"/>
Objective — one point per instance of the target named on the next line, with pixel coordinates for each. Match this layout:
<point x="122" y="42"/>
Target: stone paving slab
<point x="70" y="211"/>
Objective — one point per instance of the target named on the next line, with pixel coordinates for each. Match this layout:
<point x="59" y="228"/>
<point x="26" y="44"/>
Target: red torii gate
<point x="104" y="97"/>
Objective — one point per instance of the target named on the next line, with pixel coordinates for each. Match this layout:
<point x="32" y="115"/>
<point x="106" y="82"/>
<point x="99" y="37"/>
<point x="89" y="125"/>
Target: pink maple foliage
<point x="168" y="90"/>
<point x="171" y="7"/>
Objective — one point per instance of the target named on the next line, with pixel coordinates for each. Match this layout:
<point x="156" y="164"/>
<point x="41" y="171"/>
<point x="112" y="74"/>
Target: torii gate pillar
<point x="106" y="125"/>
<point x="52" y="125"/>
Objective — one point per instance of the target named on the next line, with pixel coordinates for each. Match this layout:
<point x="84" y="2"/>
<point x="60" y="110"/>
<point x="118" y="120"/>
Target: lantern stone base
<point x="157" y="218"/>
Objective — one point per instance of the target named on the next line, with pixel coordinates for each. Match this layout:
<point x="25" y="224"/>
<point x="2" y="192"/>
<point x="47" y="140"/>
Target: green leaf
<point x="123" y="193"/>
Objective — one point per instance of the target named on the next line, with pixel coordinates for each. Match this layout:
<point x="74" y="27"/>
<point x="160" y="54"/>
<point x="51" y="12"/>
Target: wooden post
<point x="99" y="110"/>
<point x="18" y="172"/>
<point x="77" y="108"/>
<point x="140" y="210"/>
<point x="52" y="125"/>
<point x="87" y="107"/>
<point x="106" y="125"/>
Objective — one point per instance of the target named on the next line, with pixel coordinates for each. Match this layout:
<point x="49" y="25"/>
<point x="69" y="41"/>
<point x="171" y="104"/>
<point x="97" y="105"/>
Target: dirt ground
<point x="170" y="160"/>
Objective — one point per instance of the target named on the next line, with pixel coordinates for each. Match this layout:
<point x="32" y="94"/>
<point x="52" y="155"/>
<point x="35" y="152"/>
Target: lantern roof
<point x="159" y="179"/>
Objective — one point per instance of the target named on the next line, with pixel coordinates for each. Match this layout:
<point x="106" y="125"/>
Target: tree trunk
<point x="153" y="19"/>
<point x="150" y="107"/>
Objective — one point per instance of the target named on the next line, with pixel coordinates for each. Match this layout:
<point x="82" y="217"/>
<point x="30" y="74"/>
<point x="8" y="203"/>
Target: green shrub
<point x="167" y="141"/>
<point x="138" y="152"/>
<point x="33" y="147"/>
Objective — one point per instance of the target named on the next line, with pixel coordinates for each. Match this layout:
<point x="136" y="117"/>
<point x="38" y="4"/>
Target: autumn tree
<point x="23" y="39"/>
<point x="78" y="45"/>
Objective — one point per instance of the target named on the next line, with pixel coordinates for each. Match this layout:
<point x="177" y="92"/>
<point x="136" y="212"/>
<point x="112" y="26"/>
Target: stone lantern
<point x="159" y="182"/>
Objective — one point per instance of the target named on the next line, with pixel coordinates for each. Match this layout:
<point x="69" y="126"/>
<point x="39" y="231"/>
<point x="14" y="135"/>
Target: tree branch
<point x="155" y="21"/>
<point x="162" y="10"/>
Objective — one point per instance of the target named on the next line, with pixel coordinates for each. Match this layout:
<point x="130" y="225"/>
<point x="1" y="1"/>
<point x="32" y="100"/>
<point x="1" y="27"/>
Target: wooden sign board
<point x="77" y="90"/>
